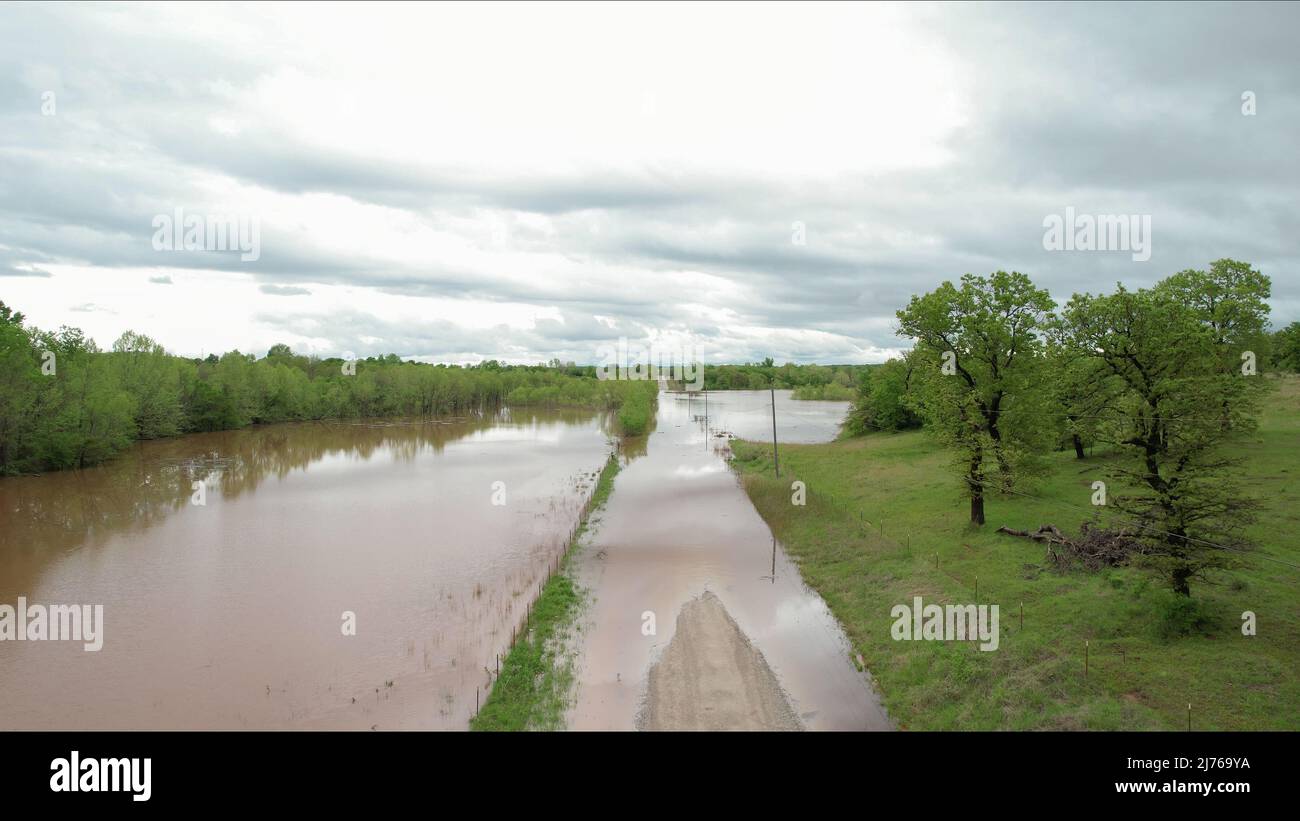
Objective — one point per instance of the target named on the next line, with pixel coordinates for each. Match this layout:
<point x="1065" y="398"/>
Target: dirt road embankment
<point x="711" y="677"/>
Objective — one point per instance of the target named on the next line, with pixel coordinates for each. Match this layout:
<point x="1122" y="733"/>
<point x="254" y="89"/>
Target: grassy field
<point x="532" y="691"/>
<point x="1142" y="673"/>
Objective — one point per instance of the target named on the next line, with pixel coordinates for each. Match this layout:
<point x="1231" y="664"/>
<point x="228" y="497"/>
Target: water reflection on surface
<point x="678" y="524"/>
<point x="228" y="615"/>
<point x="748" y="415"/>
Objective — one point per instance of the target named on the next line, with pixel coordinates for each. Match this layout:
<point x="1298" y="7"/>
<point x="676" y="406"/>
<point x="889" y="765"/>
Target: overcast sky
<point x="453" y="183"/>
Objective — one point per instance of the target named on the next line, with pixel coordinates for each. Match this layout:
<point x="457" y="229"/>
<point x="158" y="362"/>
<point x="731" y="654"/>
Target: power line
<point x="1065" y="415"/>
<point x="1119" y="416"/>
<point x="1113" y="414"/>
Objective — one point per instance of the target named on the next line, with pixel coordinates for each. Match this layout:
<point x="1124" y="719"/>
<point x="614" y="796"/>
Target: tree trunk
<point x="976" y="478"/>
<point x="1078" y="447"/>
<point x="1179" y="577"/>
<point x="1004" y="467"/>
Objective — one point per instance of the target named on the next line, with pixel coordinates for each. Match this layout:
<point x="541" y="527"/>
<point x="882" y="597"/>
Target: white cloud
<point x="529" y="180"/>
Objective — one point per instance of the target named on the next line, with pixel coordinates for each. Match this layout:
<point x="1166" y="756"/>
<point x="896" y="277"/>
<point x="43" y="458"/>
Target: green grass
<point x="1139" y="677"/>
<point x="532" y="691"/>
<point x="638" y="408"/>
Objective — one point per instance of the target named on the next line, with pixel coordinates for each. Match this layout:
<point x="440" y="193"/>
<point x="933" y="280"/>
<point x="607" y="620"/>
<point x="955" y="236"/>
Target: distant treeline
<point x="807" y="381"/>
<point x="64" y="403"/>
<point x="831" y="391"/>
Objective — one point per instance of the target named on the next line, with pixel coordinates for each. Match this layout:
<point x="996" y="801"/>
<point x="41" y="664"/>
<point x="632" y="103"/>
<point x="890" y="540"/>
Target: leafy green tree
<point x="1286" y="348"/>
<point x="1163" y="363"/>
<point x="83" y="415"/>
<point x="19" y="376"/>
<point x="1082" y="393"/>
<point x="152" y="379"/>
<point x="1231" y="299"/>
<point x="881" y="402"/>
<point x="978" y="364"/>
<point x="235" y="377"/>
<point x="210" y="409"/>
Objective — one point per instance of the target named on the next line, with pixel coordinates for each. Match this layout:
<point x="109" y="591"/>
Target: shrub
<point x="1181" y="616"/>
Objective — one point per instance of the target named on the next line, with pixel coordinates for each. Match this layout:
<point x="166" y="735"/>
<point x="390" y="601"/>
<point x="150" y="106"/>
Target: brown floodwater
<point x="679" y="524"/>
<point x="230" y="614"/>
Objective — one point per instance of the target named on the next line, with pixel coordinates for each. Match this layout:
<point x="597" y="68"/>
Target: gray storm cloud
<point x="1129" y="108"/>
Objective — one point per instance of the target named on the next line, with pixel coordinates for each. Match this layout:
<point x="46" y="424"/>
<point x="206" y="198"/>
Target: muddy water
<point x="678" y="524"/>
<point x="748" y="415"/>
<point x="230" y="614"/>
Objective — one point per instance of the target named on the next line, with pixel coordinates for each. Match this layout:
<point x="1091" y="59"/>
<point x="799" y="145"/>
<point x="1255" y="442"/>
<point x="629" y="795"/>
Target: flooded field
<point x="678" y="525"/>
<point x="748" y="415"/>
<point x="229" y="614"/>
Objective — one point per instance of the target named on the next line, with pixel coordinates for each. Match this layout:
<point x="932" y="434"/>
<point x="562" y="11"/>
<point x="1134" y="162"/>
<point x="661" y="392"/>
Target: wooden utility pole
<point x="776" y="460"/>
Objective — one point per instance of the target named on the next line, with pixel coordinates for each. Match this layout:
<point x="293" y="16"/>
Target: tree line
<point x="807" y="381"/>
<point x="64" y="403"/>
<point x="1165" y="378"/>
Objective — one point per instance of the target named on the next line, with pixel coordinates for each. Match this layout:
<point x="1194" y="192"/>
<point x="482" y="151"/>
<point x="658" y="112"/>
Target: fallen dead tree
<point x="1095" y="547"/>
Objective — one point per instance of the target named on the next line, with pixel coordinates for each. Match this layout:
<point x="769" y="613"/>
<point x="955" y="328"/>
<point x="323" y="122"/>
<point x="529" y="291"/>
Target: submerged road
<point x="698" y="619"/>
